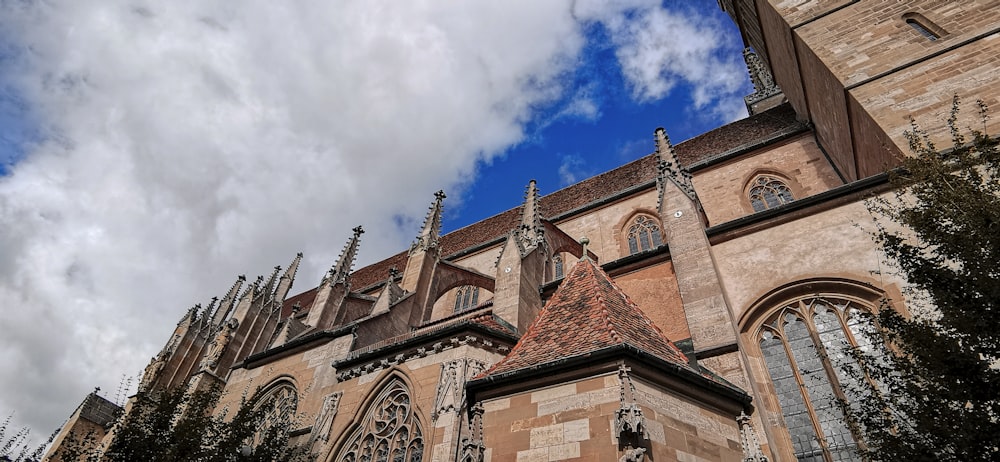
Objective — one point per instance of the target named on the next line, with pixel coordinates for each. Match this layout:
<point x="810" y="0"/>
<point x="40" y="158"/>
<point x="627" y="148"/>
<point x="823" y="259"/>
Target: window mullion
<point x="807" y="401"/>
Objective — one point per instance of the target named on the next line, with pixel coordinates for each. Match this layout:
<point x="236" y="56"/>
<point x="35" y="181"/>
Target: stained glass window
<point x="389" y="430"/>
<point x="466" y="298"/>
<point x="768" y="192"/>
<point x="805" y="348"/>
<point x="277" y="406"/>
<point x="643" y="234"/>
<point x="557" y="265"/>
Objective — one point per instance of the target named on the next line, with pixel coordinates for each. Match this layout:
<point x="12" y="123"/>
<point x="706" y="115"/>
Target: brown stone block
<point x="532" y="422"/>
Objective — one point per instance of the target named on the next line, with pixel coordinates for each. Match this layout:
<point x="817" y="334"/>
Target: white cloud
<point x="190" y="141"/>
<point x="572" y="169"/>
<point x="659" y="49"/>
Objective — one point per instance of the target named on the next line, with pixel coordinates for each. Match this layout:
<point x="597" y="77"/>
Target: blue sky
<point x="563" y="149"/>
<point x="150" y="152"/>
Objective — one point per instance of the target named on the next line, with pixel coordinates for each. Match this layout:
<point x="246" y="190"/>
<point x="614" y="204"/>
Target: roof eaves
<point x="570" y="363"/>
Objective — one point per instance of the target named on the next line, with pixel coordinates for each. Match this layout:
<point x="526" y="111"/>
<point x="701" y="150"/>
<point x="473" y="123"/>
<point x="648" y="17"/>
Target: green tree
<point x="934" y="392"/>
<point x="16" y="448"/>
<point x="180" y="426"/>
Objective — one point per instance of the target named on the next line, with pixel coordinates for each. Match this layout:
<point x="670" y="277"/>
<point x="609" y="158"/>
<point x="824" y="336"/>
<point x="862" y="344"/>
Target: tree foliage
<point x="934" y="393"/>
<point x="16" y="447"/>
<point x="179" y="425"/>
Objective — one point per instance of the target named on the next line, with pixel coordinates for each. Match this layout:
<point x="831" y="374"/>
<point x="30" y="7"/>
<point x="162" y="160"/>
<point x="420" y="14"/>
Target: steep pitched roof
<point x="742" y="133"/>
<point x="587" y="313"/>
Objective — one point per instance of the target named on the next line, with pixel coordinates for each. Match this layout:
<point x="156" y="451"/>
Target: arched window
<point x="276" y="407"/>
<point x="557" y="266"/>
<point x="768" y="192"/>
<point x="389" y="430"/>
<point x="466" y="298"/>
<point x="804" y="345"/>
<point x="643" y="234"/>
<point x="923" y="26"/>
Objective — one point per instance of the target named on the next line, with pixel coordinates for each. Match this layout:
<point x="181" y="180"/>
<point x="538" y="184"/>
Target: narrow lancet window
<point x="924" y="26"/>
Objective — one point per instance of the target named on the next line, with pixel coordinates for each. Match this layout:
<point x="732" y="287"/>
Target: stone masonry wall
<point x="575" y="421"/>
<point x="723" y="188"/>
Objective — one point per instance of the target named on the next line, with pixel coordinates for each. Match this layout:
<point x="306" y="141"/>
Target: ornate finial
<point x="296" y="308"/>
<point x="393" y="273"/>
<point x="285" y="284"/>
<point x="763" y="81"/>
<point x="431" y="231"/>
<point x="531" y="232"/>
<point x="748" y="438"/>
<point x="669" y="167"/>
<point x="228" y="301"/>
<point x="585" y="242"/>
<point x="341" y="271"/>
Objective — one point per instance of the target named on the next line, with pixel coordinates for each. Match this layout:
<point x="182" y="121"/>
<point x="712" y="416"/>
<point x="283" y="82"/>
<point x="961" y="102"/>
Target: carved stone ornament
<point x="324" y="420"/>
<point x="153" y="371"/>
<point x="421" y="352"/>
<point x="218" y="345"/>
<point x="629" y="421"/>
<point x="633" y="455"/>
<point x="473" y="448"/>
<point x="748" y="438"/>
<point x="389" y="430"/>
<point x="763" y="82"/>
<point x="450" y="395"/>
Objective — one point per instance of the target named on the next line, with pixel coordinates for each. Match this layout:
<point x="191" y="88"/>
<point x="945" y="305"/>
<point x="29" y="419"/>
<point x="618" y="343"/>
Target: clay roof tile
<point x="587" y="313"/>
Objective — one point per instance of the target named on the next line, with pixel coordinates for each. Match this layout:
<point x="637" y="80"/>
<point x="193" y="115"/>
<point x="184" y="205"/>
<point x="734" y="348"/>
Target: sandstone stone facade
<point x="668" y="337"/>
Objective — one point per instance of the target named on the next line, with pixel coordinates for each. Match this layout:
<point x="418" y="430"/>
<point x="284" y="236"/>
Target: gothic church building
<point x="703" y="316"/>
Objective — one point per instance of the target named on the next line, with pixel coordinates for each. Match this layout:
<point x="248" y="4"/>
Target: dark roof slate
<point x="730" y="137"/>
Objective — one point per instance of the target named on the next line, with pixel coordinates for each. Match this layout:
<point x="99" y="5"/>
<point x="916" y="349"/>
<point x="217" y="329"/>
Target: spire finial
<point x="431" y="231"/>
<point x="287" y="279"/>
<point x="669" y="167"/>
<point x="585" y="242"/>
<point x="763" y="81"/>
<point x="340" y="272"/>
<point x="228" y="301"/>
<point x="531" y="232"/>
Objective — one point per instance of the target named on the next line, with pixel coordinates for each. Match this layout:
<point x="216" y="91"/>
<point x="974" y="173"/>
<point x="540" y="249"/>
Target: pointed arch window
<point x="389" y="430"/>
<point x="643" y="234"/>
<point x="557" y="266"/>
<point x="768" y="192"/>
<point x="466" y="298"/>
<point x="804" y="345"/>
<point x="275" y="408"/>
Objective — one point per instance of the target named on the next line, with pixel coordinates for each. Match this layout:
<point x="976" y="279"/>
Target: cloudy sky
<point x="150" y="152"/>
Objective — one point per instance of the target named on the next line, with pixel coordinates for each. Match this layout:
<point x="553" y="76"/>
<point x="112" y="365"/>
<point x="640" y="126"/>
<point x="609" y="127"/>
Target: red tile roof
<point x="587" y="313"/>
<point x="741" y="133"/>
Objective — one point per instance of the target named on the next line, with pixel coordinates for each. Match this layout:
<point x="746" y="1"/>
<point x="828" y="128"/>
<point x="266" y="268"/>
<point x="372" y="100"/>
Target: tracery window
<point x="768" y="192"/>
<point x="466" y="298"/>
<point x="643" y="234"/>
<point x="557" y="266"/>
<point x="389" y="431"/>
<point x="277" y="407"/>
<point x="805" y="345"/>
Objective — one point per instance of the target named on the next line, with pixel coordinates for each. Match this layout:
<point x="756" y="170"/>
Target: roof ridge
<point x="588" y="312"/>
